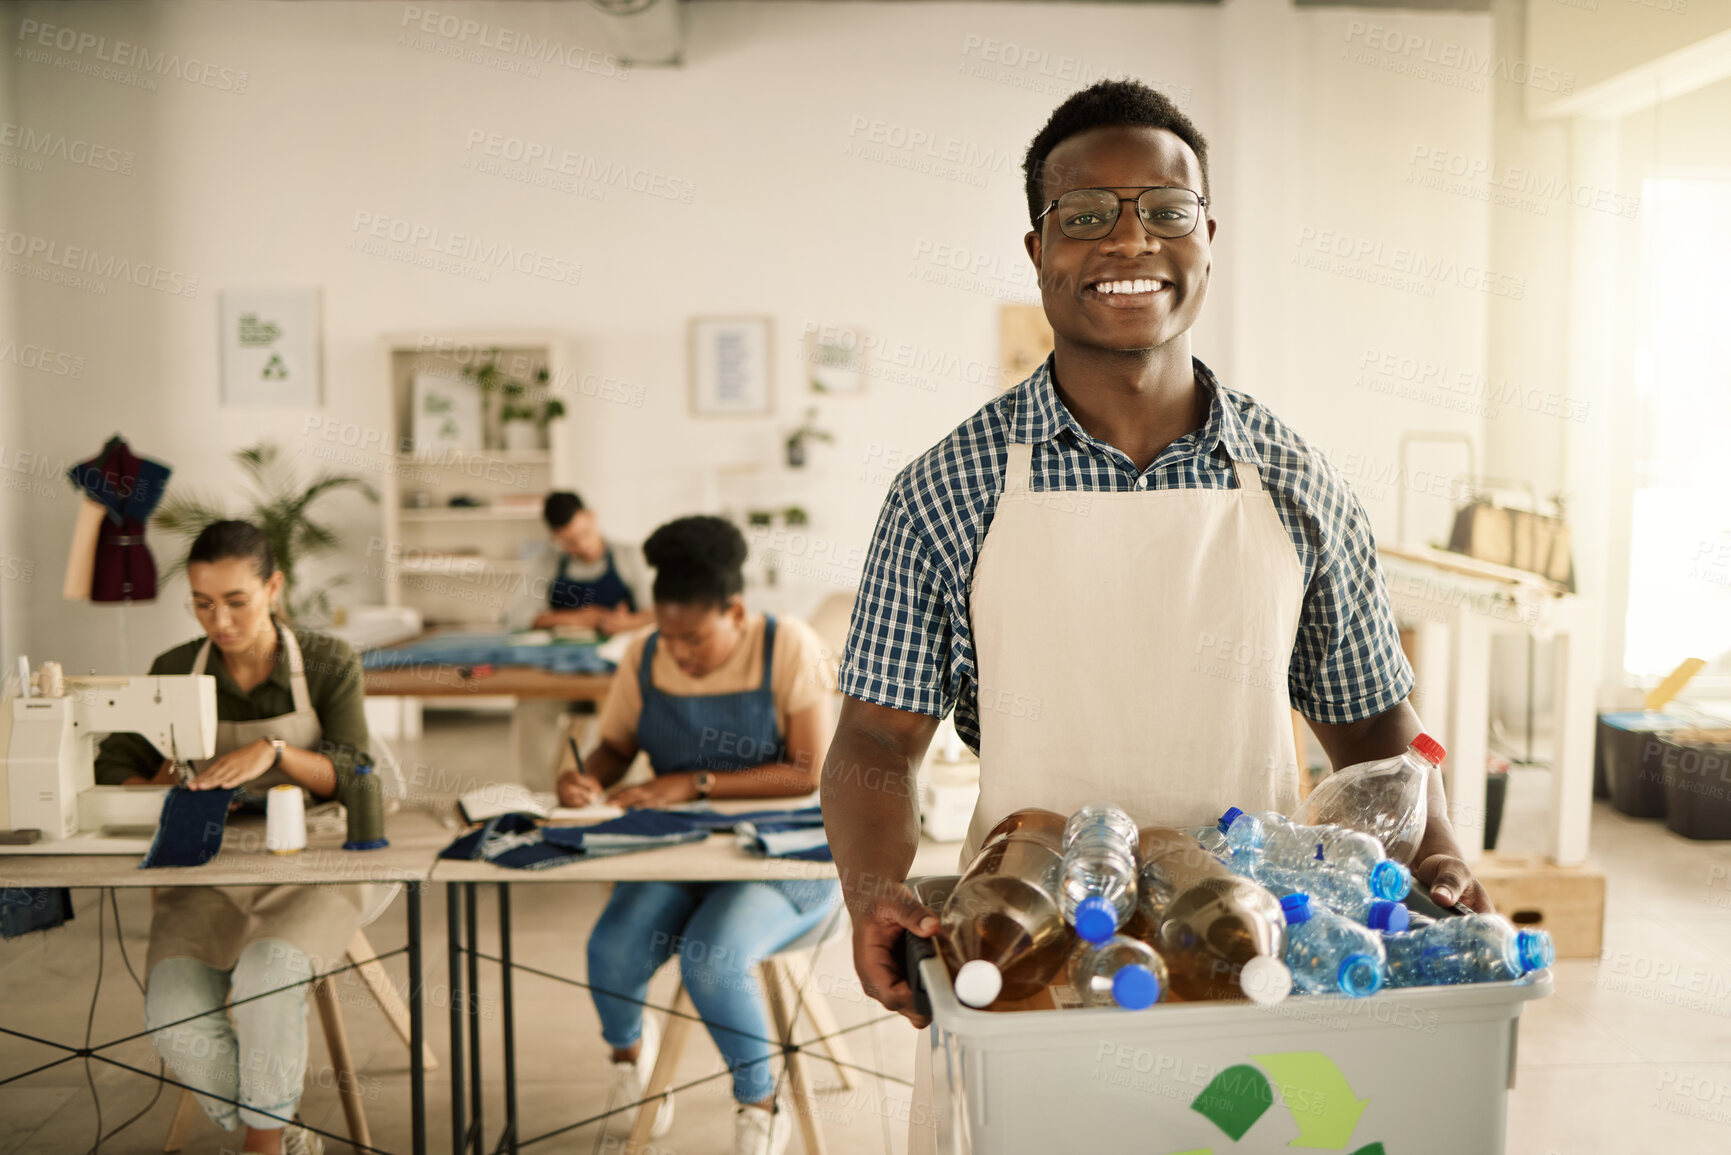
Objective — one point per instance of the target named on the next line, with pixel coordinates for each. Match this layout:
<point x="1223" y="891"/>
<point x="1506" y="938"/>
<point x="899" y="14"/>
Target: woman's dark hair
<point x="559" y="508"/>
<point x="697" y="560"/>
<point x="221" y="540"/>
<point x="1106" y="104"/>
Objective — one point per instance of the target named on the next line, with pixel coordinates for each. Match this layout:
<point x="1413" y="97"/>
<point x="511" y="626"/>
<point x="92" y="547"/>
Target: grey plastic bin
<point x="1419" y="1071"/>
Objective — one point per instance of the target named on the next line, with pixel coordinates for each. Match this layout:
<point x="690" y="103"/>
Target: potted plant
<point x="523" y="416"/>
<point x="281" y="507"/>
<point x="808" y="431"/>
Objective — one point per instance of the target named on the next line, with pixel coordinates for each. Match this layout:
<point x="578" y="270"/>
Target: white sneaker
<point x="297" y="1140"/>
<point x="629" y="1080"/>
<point x="760" y="1132"/>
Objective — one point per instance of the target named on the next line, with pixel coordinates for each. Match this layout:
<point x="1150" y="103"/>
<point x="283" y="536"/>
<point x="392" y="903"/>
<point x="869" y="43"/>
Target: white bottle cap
<point x="1265" y="980"/>
<point x="978" y="983"/>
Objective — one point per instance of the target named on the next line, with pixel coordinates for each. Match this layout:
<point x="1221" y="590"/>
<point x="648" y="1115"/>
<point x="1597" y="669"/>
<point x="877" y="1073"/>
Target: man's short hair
<point x="1108" y="103"/>
<point x="559" y="508"/>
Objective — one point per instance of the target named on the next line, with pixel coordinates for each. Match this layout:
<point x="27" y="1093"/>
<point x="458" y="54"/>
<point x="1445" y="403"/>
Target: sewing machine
<point x="49" y="800"/>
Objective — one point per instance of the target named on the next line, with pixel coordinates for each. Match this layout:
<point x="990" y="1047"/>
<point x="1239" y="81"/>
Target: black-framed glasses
<point x="1088" y="214"/>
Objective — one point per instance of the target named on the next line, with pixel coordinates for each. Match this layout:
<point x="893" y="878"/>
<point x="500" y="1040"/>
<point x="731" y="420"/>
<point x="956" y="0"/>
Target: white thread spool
<point x="285" y="820"/>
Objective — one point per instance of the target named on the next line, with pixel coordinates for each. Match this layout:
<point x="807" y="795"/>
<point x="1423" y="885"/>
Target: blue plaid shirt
<point x="910" y="644"/>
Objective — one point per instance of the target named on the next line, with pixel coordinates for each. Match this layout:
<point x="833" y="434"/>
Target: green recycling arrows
<point x="1313" y="1088"/>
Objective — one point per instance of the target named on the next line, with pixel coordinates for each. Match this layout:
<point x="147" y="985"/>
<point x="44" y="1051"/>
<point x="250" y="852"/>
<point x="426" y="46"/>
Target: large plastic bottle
<point x="1122" y="971"/>
<point x="1328" y="954"/>
<point x="1402" y="950"/>
<point x="1222" y="936"/>
<point x="1479" y="948"/>
<point x="1003" y="933"/>
<point x="1389" y="799"/>
<point x="1099" y="880"/>
<point x="1285" y="843"/>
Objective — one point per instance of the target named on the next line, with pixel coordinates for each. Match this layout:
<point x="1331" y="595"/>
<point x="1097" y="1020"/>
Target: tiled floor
<point x="1632" y="1054"/>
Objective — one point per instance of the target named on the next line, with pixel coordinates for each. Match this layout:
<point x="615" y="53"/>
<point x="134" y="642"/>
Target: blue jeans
<point x="260" y="1059"/>
<point x="720" y="930"/>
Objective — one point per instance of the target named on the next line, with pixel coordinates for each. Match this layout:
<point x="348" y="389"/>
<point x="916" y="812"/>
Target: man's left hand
<point x="1447" y="881"/>
<point x="237" y="767"/>
<point x="664" y="790"/>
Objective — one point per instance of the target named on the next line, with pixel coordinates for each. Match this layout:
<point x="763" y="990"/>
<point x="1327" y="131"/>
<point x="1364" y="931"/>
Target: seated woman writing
<point x="726" y="704"/>
<point x="288" y="707"/>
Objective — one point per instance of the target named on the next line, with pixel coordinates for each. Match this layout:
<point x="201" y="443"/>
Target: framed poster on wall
<point x="270" y="348"/>
<point x="730" y="366"/>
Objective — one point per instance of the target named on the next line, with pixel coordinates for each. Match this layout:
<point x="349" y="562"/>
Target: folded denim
<point x="785" y="840"/>
<point x="189" y="833"/>
<point x="490" y="649"/>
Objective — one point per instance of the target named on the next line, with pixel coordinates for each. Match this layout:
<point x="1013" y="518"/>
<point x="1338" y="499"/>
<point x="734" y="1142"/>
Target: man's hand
<point x="1448" y="881"/>
<point x="663" y="790"/>
<point x="877" y="933"/>
<point x="576" y="789"/>
<point x="236" y="768"/>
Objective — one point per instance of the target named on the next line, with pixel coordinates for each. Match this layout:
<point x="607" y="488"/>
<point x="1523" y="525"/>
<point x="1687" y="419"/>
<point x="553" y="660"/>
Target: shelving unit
<point x="462" y="566"/>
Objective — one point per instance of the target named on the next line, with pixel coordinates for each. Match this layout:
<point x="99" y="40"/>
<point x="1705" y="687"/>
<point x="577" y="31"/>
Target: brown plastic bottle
<point x="1003" y="934"/>
<point x="1222" y="936"/>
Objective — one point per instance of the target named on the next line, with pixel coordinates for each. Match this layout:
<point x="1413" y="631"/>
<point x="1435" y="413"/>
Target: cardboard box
<point x="1567" y="901"/>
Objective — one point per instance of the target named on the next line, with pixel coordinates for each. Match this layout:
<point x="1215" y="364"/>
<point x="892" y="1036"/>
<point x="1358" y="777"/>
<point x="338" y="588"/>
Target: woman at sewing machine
<point x="289" y="710"/>
<point x="725" y="704"/>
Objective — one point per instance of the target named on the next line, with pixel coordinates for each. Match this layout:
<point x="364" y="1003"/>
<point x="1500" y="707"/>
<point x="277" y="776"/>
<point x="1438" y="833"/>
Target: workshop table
<point x="416" y="837"/>
<point x="717" y="858"/>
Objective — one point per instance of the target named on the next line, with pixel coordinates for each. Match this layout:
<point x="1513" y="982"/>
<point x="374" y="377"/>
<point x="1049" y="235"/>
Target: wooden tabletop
<point x="432" y="680"/>
<point x="416" y="838"/>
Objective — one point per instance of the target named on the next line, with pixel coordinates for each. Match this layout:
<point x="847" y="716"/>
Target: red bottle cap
<point x="1429" y="747"/>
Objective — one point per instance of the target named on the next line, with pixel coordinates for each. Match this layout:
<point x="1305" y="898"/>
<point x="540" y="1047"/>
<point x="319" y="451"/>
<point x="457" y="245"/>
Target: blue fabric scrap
<point x="189" y="833"/>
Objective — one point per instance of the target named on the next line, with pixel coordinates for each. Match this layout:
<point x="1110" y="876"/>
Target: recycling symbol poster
<point x="270" y="348"/>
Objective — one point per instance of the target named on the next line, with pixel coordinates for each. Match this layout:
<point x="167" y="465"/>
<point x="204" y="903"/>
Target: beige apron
<point x="1132" y="647"/>
<point x="213" y="924"/>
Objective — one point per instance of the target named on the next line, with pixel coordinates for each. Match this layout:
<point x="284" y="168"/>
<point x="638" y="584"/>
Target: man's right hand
<point x="877" y="936"/>
<point x="578" y="789"/>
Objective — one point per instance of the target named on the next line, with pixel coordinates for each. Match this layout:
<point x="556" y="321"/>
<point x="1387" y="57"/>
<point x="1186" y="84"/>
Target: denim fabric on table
<point x="189" y="833"/>
<point x="490" y="650"/>
<point x="516" y="841"/>
<point x="27" y="908"/>
<point x="785" y="840"/>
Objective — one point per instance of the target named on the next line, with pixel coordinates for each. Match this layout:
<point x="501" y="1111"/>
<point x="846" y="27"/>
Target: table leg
<point x="508" y="1009"/>
<point x="454" y="970"/>
<point x="1470" y="701"/>
<point x="417" y="1029"/>
<point x="470" y="915"/>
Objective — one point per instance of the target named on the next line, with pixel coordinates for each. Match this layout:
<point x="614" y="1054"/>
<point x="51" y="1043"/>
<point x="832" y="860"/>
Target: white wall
<point x="338" y="118"/>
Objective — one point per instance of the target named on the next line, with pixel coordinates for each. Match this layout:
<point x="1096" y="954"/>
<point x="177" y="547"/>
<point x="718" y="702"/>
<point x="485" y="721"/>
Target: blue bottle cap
<point x="1227" y="819"/>
<point x="1296" y="907"/>
<point x="1389" y="916"/>
<point x="1096" y="919"/>
<point x="1390" y="880"/>
<point x="1359" y="976"/>
<point x="1535" y="950"/>
<point x="369" y="844"/>
<point x="1134" y="987"/>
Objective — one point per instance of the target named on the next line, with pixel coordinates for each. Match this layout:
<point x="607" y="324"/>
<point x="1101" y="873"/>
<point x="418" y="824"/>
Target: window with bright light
<point x="1680" y="544"/>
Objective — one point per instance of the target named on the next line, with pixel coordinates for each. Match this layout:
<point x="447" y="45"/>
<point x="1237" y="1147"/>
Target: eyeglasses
<point x="204" y="609"/>
<point x="1088" y="214"/>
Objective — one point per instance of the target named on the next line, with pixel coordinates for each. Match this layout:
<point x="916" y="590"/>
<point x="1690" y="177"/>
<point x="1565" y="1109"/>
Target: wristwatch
<point x="276" y="744"/>
<point x="705" y="783"/>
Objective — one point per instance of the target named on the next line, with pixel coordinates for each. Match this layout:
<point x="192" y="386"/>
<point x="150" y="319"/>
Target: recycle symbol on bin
<point x="1314" y="1091"/>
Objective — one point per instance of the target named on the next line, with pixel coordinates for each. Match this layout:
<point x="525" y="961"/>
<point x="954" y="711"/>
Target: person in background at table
<point x="289" y="710"/>
<point x="578" y="580"/>
<point x="726" y="704"/>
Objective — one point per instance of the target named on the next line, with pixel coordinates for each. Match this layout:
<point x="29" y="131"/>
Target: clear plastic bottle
<point x="1479" y="948"/>
<point x="1222" y="936"/>
<point x="1402" y="950"/>
<point x="1284" y="842"/>
<point x="1388" y="799"/>
<point x="1003" y="933"/>
<point x="1329" y="954"/>
<point x="1211" y="838"/>
<point x="1099" y="887"/>
<point x="1121" y="971"/>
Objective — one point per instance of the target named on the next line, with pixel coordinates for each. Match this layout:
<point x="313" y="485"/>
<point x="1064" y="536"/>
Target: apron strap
<point x="768" y="649"/>
<point x="1249" y="479"/>
<point x="297" y="672"/>
<point x="198" y="663"/>
<point x="1018" y="466"/>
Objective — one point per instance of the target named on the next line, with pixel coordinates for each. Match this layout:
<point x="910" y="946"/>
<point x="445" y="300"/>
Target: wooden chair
<point x="786" y="981"/>
<point x="378" y="980"/>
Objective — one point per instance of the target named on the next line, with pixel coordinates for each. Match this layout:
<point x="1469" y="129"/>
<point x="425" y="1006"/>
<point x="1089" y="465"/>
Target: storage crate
<point x="1567" y="901"/>
<point x="1420" y="1071"/>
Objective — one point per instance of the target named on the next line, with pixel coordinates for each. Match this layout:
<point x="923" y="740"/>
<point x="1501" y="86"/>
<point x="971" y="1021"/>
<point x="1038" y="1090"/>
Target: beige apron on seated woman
<point x="213" y="924"/>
